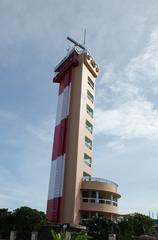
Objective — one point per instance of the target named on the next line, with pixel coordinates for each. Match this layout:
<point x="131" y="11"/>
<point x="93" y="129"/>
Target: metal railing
<point x="100" y="201"/>
<point x="93" y="179"/>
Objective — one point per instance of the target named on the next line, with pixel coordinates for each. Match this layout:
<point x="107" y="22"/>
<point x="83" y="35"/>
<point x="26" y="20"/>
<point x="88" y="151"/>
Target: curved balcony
<point x="97" y="207"/>
<point x="99" y="184"/>
<point x="99" y="196"/>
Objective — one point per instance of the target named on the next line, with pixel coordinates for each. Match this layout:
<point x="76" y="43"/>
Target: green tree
<point x="25" y="220"/>
<point x="100" y="228"/>
<point x="134" y="225"/>
<point x="5" y="225"/>
<point x="77" y="236"/>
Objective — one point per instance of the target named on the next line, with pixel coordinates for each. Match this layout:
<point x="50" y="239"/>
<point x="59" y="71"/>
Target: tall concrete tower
<point x="74" y="196"/>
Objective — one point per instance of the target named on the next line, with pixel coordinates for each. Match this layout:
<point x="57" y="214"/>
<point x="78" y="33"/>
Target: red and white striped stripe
<point x="59" y="150"/>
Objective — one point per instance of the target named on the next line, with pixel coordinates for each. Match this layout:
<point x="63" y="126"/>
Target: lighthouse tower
<point x="74" y="196"/>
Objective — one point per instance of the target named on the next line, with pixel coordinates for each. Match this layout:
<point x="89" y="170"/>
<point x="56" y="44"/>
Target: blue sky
<point x="122" y="36"/>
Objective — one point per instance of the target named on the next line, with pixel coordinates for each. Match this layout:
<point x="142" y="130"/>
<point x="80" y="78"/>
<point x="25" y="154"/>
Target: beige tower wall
<point x="74" y="201"/>
<point x="76" y="148"/>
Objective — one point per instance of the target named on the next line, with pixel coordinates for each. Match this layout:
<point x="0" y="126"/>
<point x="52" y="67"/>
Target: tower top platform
<point x="74" y="57"/>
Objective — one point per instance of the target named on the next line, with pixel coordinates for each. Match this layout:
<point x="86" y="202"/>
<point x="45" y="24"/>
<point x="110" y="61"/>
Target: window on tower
<point x="89" y="126"/>
<point x="90" y="111"/>
<point x="91" y="83"/>
<point x="88" y="142"/>
<point x="90" y="96"/>
<point x="87" y="160"/>
<point x="86" y="176"/>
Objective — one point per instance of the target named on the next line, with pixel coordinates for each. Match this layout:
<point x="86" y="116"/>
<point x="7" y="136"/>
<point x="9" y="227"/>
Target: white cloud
<point x="43" y="132"/>
<point x="125" y="109"/>
<point x="144" y="67"/>
<point x="106" y="75"/>
<point x="116" y="146"/>
<point x="134" y="119"/>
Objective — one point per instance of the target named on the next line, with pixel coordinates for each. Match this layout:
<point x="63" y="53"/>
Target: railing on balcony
<point x="93" y="179"/>
<point x="99" y="200"/>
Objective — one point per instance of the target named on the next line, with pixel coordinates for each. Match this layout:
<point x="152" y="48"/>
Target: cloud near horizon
<point x="129" y="110"/>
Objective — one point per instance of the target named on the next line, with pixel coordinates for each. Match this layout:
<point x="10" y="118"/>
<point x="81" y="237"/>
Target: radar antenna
<point x="76" y="43"/>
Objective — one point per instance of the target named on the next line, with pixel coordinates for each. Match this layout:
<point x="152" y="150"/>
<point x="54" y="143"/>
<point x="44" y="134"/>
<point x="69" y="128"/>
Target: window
<point x="87" y="160"/>
<point x="115" y="204"/>
<point x="93" y="194"/>
<point x="90" y="96"/>
<point x="86" y="176"/>
<point x="88" y="196"/>
<point x="91" y="83"/>
<point x="89" y="111"/>
<point x="88" y="142"/>
<point x="89" y="126"/>
<point x="84" y="218"/>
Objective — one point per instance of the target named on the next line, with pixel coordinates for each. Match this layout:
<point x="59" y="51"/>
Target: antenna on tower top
<point x="84" y="38"/>
<point x="76" y="43"/>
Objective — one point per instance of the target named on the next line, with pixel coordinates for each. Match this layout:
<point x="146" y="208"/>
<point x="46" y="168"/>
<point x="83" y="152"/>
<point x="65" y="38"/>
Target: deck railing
<point x="93" y="179"/>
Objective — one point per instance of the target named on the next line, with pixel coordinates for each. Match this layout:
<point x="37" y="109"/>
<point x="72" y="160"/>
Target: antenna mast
<point x="76" y="43"/>
<point x="84" y="39"/>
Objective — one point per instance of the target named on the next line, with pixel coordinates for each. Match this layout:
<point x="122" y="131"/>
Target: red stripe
<point x="53" y="210"/>
<point x="65" y="81"/>
<point x="60" y="72"/>
<point x="59" y="145"/>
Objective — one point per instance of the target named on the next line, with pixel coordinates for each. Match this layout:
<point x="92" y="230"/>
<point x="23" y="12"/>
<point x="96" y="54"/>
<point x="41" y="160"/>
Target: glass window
<point x="85" y="194"/>
<point x="84" y="216"/>
<point x="88" y="142"/>
<point x="89" y="126"/>
<point x="87" y="160"/>
<point x="93" y="194"/>
<point x="115" y="198"/>
<point x="91" y="83"/>
<point x="90" y="96"/>
<point x="86" y="176"/>
<point x="90" y="111"/>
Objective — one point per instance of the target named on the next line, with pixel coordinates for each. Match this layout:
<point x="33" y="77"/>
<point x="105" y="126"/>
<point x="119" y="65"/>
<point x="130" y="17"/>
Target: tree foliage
<point x="76" y="236"/>
<point x="134" y="225"/>
<point x="5" y="217"/>
<point x="124" y="228"/>
<point x="99" y="228"/>
<point x="24" y="220"/>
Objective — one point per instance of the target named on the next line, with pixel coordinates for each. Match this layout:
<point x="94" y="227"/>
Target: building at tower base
<point x="74" y="195"/>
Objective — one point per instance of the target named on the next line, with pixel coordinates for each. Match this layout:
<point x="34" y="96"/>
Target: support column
<point x="97" y="197"/>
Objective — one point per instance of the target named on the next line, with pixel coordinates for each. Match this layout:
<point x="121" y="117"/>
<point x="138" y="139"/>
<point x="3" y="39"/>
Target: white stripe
<point x="63" y="105"/>
<point x="56" y="178"/>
